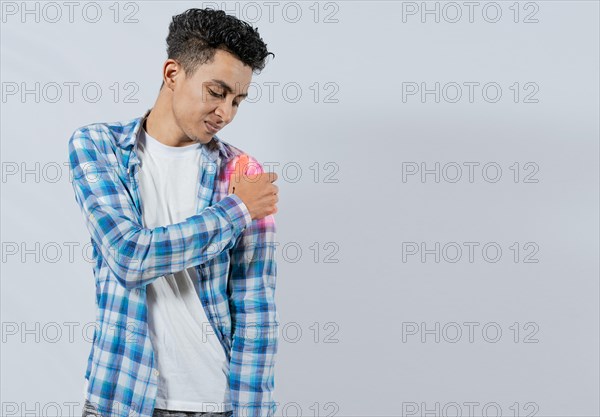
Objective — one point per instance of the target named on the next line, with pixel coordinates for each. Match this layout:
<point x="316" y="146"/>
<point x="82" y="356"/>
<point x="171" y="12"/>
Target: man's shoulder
<point x="234" y="152"/>
<point x="230" y="149"/>
<point x="105" y="135"/>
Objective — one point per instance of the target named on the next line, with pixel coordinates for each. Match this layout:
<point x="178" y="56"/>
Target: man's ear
<point x="171" y="71"/>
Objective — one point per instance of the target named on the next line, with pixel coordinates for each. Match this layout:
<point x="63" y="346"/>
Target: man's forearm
<point x="138" y="255"/>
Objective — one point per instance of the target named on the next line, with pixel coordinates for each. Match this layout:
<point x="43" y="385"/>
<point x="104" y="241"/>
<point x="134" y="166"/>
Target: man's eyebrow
<point x="226" y="87"/>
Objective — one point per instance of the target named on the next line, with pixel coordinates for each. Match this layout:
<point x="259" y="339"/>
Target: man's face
<point x="210" y="97"/>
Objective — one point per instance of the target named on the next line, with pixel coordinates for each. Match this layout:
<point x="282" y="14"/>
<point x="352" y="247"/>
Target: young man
<point x="183" y="238"/>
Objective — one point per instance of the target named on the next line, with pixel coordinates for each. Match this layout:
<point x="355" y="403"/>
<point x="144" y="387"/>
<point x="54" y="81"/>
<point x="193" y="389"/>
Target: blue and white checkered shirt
<point x="233" y="255"/>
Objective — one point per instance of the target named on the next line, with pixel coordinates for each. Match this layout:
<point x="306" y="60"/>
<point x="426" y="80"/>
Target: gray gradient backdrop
<point x="370" y="327"/>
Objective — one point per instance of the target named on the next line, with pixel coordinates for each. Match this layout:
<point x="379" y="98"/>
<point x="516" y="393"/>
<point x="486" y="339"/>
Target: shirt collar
<point x="128" y="138"/>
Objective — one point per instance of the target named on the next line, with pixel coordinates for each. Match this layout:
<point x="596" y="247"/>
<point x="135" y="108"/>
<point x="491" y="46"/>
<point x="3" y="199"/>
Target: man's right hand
<point x="257" y="191"/>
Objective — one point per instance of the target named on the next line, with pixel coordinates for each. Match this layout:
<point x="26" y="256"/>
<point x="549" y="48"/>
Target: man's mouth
<point x="211" y="128"/>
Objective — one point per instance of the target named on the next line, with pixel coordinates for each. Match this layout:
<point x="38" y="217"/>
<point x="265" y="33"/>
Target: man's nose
<point x="225" y="111"/>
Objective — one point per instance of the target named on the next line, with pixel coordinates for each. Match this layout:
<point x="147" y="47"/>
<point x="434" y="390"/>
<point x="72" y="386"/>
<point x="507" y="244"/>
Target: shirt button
<point x="155" y="372"/>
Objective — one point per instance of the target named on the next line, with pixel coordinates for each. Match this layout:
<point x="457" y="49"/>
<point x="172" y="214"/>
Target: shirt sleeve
<point x="135" y="254"/>
<point x="251" y="288"/>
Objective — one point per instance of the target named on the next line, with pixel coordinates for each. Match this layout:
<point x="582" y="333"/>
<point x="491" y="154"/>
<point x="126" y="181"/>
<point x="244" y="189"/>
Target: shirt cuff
<point x="236" y="211"/>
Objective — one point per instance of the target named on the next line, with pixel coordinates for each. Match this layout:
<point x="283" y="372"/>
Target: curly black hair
<point x="196" y="34"/>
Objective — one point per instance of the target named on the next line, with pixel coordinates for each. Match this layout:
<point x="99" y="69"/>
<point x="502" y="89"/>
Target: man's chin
<point x="204" y="139"/>
<point x="207" y="141"/>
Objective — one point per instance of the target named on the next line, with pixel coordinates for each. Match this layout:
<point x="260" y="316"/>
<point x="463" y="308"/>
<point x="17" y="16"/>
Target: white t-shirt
<point x="192" y="365"/>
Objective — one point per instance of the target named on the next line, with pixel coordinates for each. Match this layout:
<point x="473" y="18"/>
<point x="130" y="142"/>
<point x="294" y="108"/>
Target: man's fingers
<point x="243" y="168"/>
<point x="240" y="166"/>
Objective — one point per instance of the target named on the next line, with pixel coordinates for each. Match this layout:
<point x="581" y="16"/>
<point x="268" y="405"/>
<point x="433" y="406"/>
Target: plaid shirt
<point x="233" y="255"/>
